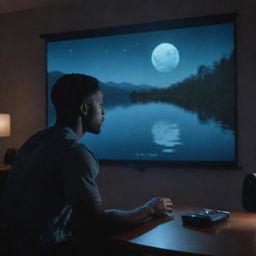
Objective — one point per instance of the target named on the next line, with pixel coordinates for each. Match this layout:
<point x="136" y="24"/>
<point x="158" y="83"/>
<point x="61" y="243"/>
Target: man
<point x="51" y="199"/>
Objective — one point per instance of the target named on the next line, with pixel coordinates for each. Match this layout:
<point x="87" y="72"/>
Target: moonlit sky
<point x="127" y="58"/>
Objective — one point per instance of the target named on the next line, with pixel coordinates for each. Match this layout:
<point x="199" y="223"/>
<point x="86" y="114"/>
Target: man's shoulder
<point x="66" y="141"/>
<point x="50" y="141"/>
<point x="79" y="149"/>
<point x="51" y="133"/>
<point x="71" y="144"/>
<point x="81" y="159"/>
<point x="58" y="135"/>
<point x="57" y="142"/>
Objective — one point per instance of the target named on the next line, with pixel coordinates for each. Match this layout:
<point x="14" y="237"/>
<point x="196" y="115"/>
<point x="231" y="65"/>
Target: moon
<point x="165" y="57"/>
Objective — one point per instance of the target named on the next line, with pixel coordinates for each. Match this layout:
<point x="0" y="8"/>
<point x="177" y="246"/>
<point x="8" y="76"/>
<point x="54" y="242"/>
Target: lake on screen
<point x="160" y="131"/>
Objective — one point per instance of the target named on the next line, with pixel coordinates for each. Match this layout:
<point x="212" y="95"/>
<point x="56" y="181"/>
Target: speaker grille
<point x="249" y="192"/>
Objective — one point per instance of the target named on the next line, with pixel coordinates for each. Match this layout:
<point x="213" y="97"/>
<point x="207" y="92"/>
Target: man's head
<point x="77" y="96"/>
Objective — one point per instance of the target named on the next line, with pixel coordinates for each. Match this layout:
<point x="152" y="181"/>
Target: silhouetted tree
<point x="209" y="92"/>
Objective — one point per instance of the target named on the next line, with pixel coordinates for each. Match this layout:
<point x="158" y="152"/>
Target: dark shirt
<point x="52" y="171"/>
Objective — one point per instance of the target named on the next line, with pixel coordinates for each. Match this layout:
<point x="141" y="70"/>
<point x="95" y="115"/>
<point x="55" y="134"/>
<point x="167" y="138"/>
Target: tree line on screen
<point x="209" y="93"/>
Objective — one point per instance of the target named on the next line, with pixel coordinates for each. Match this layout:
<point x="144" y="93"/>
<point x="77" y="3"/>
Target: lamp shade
<point x="5" y="125"/>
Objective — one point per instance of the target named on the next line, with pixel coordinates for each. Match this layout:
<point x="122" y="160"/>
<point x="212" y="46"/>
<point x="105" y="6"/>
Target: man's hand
<point x="159" y="206"/>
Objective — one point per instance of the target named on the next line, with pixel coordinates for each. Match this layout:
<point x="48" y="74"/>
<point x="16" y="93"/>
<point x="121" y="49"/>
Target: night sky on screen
<point x="127" y="58"/>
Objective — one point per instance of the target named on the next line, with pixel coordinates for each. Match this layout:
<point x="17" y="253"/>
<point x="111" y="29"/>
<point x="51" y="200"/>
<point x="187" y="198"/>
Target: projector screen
<point x="169" y="88"/>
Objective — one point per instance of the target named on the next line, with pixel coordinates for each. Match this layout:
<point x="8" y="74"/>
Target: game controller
<point x="205" y="217"/>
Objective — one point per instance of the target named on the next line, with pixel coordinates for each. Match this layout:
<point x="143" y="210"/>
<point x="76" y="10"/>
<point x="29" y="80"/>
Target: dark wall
<point x="22" y="93"/>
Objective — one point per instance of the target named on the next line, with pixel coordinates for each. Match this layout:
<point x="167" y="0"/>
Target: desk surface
<point x="167" y="236"/>
<point x="5" y="167"/>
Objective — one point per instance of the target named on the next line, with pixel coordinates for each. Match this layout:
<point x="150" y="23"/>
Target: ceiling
<point x="7" y="6"/>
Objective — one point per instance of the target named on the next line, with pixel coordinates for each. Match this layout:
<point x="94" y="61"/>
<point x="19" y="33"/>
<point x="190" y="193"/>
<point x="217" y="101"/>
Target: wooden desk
<point x="167" y="236"/>
<point x="5" y="167"/>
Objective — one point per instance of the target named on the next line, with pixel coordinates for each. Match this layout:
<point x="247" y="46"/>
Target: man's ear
<point x="84" y="108"/>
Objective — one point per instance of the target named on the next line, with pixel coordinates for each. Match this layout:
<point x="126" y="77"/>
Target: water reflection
<point x="166" y="134"/>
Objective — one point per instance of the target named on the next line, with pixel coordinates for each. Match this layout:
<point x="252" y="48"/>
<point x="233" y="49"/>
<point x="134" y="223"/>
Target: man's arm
<point x="111" y="221"/>
<point x="131" y="218"/>
<point x="82" y="193"/>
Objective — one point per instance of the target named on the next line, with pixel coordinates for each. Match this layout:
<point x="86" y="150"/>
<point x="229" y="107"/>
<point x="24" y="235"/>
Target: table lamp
<point x="5" y="125"/>
<point x="5" y="131"/>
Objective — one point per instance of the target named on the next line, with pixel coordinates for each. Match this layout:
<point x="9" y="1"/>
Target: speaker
<point x="249" y="192"/>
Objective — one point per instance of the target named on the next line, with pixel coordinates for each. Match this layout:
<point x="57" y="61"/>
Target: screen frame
<point x="148" y="27"/>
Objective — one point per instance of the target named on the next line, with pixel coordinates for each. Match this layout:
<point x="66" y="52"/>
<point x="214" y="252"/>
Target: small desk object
<point x="167" y="235"/>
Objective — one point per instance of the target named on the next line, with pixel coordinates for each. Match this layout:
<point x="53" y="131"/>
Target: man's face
<point x="95" y="118"/>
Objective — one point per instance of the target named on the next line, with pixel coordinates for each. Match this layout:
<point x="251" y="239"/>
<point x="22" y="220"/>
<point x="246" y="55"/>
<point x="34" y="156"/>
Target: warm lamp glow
<point x="5" y="125"/>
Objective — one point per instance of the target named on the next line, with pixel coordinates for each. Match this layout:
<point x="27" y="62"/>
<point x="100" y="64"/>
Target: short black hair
<point x="70" y="90"/>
